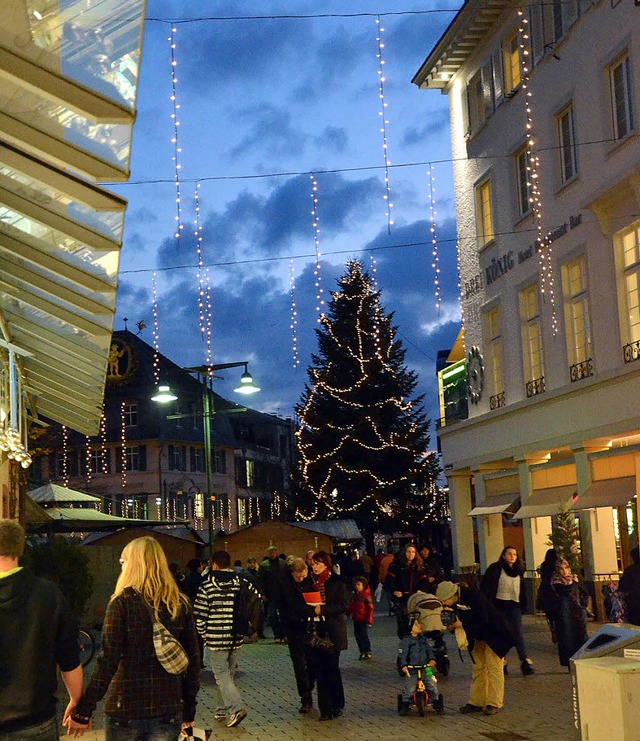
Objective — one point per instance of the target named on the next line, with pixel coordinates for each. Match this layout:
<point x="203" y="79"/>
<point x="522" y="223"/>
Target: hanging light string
<point x="459" y="279"/>
<point x="316" y="243"/>
<point x="533" y="169"/>
<point x="88" y="458"/>
<point x="383" y="122"/>
<point x="65" y="456"/>
<point x="156" y="335"/>
<point x="175" y="140"/>
<point x="204" y="284"/>
<point x="123" y="456"/>
<point x="294" y="315"/>
<point x="435" y="261"/>
<point x="103" y="443"/>
<point x="376" y="311"/>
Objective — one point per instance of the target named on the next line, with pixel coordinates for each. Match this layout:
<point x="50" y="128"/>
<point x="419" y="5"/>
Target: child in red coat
<point x="361" y="612"/>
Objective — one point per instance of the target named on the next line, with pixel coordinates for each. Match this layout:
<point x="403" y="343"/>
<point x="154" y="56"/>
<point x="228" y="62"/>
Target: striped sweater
<point x="213" y="609"/>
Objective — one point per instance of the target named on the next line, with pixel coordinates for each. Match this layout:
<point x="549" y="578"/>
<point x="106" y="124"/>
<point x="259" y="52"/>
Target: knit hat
<point x="446" y="590"/>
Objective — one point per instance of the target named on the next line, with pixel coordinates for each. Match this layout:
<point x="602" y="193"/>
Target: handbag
<point x="169" y="650"/>
<point x="318" y="640"/>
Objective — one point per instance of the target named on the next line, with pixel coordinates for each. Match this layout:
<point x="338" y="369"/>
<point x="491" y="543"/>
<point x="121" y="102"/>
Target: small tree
<point x="565" y="539"/>
<point x="66" y="563"/>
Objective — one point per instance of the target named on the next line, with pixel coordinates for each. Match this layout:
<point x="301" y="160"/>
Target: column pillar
<point x="490" y="532"/>
<point x="536" y="530"/>
<point x="596" y="527"/>
<point x="461" y="524"/>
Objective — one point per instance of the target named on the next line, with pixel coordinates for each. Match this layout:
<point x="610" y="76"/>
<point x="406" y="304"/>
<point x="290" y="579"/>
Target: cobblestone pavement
<point x="537" y="708"/>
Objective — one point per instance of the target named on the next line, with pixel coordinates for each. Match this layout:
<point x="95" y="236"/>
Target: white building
<point x="552" y="335"/>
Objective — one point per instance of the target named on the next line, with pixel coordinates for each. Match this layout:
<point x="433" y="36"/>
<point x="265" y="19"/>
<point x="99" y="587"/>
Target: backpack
<point x="247" y="606"/>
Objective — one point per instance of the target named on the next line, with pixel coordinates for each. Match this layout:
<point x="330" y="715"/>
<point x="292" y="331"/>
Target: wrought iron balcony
<point x="535" y="387"/>
<point x="631" y="352"/>
<point x="581" y="370"/>
<point x="496" y="401"/>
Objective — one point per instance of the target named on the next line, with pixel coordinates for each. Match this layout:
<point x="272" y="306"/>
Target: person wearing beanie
<point x="489" y="636"/>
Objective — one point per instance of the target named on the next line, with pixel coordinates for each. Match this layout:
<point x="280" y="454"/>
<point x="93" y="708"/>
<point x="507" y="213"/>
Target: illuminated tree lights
<point x="362" y="441"/>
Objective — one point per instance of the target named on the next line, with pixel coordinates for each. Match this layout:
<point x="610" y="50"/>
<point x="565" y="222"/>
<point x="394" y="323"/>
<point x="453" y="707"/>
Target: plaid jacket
<point x="127" y="670"/>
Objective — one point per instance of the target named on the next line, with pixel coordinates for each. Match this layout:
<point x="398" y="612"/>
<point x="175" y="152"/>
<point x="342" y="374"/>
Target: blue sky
<point x="264" y="102"/>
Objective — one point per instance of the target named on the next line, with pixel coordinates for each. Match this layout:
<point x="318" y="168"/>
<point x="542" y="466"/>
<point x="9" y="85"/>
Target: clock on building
<point x="475" y="374"/>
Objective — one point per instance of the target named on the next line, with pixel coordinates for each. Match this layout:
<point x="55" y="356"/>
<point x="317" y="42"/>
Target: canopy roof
<point x="53" y="493"/>
<point x="607" y="493"/>
<point x="547" y="502"/>
<point x="495" y="505"/>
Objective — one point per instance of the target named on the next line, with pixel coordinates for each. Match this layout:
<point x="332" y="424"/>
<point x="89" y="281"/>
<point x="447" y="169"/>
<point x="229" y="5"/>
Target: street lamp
<point x="205" y="376"/>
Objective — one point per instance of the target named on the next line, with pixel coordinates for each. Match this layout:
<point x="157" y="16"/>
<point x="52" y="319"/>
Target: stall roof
<point x="54" y="493"/>
<point x="336" y="529"/>
<point x="607" y="493"/>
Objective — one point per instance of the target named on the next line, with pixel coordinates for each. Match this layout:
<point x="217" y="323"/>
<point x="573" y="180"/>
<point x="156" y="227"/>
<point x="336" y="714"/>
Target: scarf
<point x="566" y="580"/>
<point x="318" y="583"/>
<point x="510" y="570"/>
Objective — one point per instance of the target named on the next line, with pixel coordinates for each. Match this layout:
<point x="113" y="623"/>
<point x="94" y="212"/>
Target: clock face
<point x="475" y="375"/>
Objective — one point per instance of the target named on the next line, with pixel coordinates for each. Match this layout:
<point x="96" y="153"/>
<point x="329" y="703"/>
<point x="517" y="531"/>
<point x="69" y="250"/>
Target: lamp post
<point x="205" y="374"/>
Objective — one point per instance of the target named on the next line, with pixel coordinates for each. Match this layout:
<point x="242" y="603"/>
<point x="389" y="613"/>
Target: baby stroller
<point x="427" y="609"/>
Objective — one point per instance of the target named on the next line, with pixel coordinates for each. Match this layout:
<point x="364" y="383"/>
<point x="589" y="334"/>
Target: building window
<point x="197" y="459"/>
<point x="576" y="316"/>
<point x="511" y="63"/>
<point x="494" y="344"/>
<point x="177" y="458"/>
<point x="629" y="241"/>
<point x="621" y="97"/>
<point x="484" y="217"/>
<point x="132" y="458"/>
<point x="219" y="461"/>
<point x="567" y="144"/>
<point x="242" y="511"/>
<point x="250" y="468"/>
<point x="99" y="461"/>
<point x="531" y="333"/>
<point x="524" y="183"/>
<point x="130" y="414"/>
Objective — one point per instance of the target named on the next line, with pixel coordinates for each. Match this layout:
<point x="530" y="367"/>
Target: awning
<point x="54" y="493"/>
<point x="73" y="519"/>
<point x="547" y="502"/>
<point x="607" y="493"/>
<point x="495" y="505"/>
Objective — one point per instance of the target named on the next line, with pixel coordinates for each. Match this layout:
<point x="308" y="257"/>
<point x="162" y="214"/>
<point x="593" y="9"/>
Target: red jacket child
<point x="361" y="605"/>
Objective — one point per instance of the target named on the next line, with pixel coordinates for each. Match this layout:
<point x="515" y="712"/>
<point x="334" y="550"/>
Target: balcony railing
<point x="496" y="401"/>
<point x="631" y="352"/>
<point x="581" y="370"/>
<point x="535" y="387"/>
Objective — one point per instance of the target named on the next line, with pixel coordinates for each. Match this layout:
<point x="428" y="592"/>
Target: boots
<point x="405" y="707"/>
<point x="527" y="667"/>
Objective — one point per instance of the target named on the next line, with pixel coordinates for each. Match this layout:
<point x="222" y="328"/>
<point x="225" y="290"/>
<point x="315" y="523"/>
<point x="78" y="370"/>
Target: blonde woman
<point x="143" y="701"/>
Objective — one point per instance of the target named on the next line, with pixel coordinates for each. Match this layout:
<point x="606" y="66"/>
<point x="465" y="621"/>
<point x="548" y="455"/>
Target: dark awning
<point x="495" y="505"/>
<point x="607" y="493"/>
<point x="547" y="502"/>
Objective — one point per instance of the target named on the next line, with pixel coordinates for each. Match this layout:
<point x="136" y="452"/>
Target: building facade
<point x="150" y="461"/>
<point x="546" y="156"/>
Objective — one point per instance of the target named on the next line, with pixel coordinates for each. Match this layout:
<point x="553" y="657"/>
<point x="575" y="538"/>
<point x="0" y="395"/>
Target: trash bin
<point x="605" y="673"/>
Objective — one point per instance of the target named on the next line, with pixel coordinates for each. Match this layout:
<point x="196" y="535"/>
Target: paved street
<point x="536" y="708"/>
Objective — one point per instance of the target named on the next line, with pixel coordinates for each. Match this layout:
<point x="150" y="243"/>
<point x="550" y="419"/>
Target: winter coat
<point x="571" y="619"/>
<point x="361" y="607"/>
<point x="401" y="578"/>
<point x="630" y="585"/>
<point x="482" y="621"/>
<point x="415" y="651"/>
<point x="295" y="612"/>
<point x="489" y="584"/>
<point x="334" y="610"/>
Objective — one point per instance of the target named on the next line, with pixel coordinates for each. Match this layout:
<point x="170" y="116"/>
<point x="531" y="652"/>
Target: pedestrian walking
<point x="38" y="636"/>
<point x="503" y="584"/>
<point x="142" y="700"/>
<point x="361" y="612"/>
<point x="571" y="616"/>
<point x="214" y="611"/>
<point x="404" y="578"/>
<point x="271" y="572"/>
<point x="547" y="599"/>
<point x="630" y="586"/>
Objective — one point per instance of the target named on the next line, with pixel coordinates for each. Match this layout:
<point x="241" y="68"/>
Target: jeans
<point x="361" y="633"/>
<point x="223" y="665"/>
<point x="300" y="670"/>
<point x="513" y="614"/>
<point x="274" y="619"/>
<point x="324" y="670"/>
<point x="47" y="731"/>
<point x="410" y="685"/>
<point x="149" y="729"/>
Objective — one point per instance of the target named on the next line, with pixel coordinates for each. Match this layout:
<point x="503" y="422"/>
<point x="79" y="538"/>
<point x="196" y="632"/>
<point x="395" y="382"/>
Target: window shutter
<point x="570" y="11"/>
<point x="465" y="112"/>
<point x="498" y="75"/>
<point x="536" y="33"/>
<point x="192" y="458"/>
<point x="142" y="457"/>
<point x="118" y="453"/>
<point x="172" y="460"/>
<point x="487" y="90"/>
<point x="183" y="458"/>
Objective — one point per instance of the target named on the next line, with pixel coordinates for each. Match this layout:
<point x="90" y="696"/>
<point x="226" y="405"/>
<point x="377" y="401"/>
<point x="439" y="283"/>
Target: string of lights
<point x="316" y="242"/>
<point x="435" y="263"/>
<point x="383" y="122"/>
<point x="156" y="338"/>
<point x="123" y="456"/>
<point x="294" y="314"/>
<point x="204" y="285"/>
<point x="175" y="140"/>
<point x="65" y="456"/>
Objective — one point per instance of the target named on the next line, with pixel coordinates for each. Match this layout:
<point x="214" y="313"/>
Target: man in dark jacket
<point x="490" y="638"/>
<point x="271" y="573"/>
<point x="38" y="635"/>
<point x="630" y="586"/>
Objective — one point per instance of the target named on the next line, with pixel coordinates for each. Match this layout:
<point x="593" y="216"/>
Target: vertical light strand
<point x="156" y="334"/>
<point x="65" y="456"/>
<point x="123" y="456"/>
<point x="228" y="502"/>
<point x="316" y="242"/>
<point x="204" y="284"/>
<point x="383" y="121"/>
<point x="294" y="315"/>
<point x="543" y="242"/>
<point x="175" y="140"/>
<point x="435" y="260"/>
<point x="376" y="313"/>
<point x="103" y="443"/>
<point x="87" y="459"/>
<point x="460" y="297"/>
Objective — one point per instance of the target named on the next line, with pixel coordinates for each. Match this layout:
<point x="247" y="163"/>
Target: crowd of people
<point x="306" y="601"/>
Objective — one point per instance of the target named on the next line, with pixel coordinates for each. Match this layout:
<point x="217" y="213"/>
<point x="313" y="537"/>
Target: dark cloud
<point x="334" y="138"/>
<point x="272" y="132"/>
<point x="437" y="125"/>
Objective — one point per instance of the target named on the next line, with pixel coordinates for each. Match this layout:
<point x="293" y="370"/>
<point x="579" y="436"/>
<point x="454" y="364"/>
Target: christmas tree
<point x="565" y="539"/>
<point x="363" y="443"/>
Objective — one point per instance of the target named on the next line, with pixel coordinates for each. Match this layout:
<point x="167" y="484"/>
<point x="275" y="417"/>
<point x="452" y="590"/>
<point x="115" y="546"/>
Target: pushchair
<point x="427" y="609"/>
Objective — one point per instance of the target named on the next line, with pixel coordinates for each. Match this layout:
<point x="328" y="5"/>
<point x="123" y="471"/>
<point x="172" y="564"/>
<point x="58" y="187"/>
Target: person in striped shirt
<point x="213" y="610"/>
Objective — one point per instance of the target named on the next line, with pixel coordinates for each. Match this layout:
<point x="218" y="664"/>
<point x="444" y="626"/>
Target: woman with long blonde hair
<point x="143" y="701"/>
